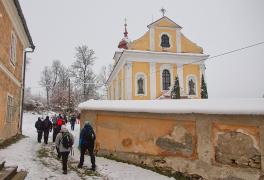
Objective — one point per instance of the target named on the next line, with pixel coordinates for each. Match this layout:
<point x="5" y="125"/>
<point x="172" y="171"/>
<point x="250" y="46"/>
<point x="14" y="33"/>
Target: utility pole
<point x="69" y="98"/>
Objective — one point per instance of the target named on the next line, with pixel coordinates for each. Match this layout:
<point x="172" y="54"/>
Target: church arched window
<point x="165" y="41"/>
<point x="191" y="85"/>
<point x="166" y="79"/>
<point x="141" y="84"/>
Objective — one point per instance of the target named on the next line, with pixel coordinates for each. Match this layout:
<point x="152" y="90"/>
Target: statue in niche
<point x="140" y="86"/>
<point x="191" y="87"/>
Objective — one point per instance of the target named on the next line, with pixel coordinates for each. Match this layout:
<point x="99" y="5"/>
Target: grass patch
<point x="48" y="158"/>
<point x="10" y="141"/>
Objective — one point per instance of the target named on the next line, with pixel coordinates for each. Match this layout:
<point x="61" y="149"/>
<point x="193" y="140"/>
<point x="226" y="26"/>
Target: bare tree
<point x="103" y="77"/>
<point x="56" y="65"/>
<point x="46" y="82"/>
<point x="82" y="71"/>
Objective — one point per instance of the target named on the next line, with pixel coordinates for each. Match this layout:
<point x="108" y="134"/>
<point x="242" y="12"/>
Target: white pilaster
<point x="112" y="91"/>
<point x="128" y="82"/>
<point x="152" y="39"/>
<point x="202" y="70"/>
<point x="116" y="89"/>
<point x="180" y="76"/>
<point x="152" y="80"/>
<point x="122" y="84"/>
<point x="178" y="40"/>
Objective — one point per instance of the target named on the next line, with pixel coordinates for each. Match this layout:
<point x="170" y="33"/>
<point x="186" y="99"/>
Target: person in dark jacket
<point x="47" y="127"/>
<point x="54" y="125"/>
<point x="39" y="127"/>
<point x="87" y="139"/>
<point x="73" y="121"/>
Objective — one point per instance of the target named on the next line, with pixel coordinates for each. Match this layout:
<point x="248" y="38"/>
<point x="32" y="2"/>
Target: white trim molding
<point x="112" y="91"/>
<point x="117" y="88"/>
<point x="152" y="77"/>
<point x="152" y="39"/>
<point x="142" y="75"/>
<point x="194" y="78"/>
<point x="10" y="75"/>
<point x="128" y="80"/>
<point x="178" y="40"/>
<point x="122" y="84"/>
<point x="180" y="76"/>
<point x="169" y="67"/>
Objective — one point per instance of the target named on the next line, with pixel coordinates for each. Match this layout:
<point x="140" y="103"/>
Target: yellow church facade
<point x="146" y="68"/>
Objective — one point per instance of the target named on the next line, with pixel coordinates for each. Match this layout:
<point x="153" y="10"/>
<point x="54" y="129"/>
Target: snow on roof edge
<point x="183" y="106"/>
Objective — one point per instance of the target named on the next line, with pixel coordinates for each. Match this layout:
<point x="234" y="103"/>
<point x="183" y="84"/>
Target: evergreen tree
<point x="204" y="94"/>
<point x="175" y="93"/>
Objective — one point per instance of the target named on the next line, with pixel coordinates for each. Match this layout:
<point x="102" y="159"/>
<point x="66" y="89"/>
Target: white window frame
<point x="194" y="78"/>
<point x="10" y="109"/>
<point x="13" y="48"/>
<point x="145" y="83"/>
<point x="170" y="40"/>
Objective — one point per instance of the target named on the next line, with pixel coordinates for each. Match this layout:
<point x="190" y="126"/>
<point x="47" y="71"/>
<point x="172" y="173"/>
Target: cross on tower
<point x="163" y="11"/>
<point x="125" y="33"/>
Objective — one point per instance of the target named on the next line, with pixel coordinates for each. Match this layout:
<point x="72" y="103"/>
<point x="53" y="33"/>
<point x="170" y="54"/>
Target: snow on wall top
<point x="183" y="106"/>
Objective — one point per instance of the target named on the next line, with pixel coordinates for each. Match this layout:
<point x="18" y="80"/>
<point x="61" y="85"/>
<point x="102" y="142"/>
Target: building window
<point x="166" y="79"/>
<point x="10" y="108"/>
<point x="13" y="48"/>
<point x="141" y="84"/>
<point x="165" y="41"/>
<point x="192" y="85"/>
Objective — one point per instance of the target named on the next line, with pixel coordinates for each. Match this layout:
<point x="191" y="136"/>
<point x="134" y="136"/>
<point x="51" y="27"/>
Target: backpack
<point x="59" y="122"/>
<point x="66" y="140"/>
<point x="46" y="124"/>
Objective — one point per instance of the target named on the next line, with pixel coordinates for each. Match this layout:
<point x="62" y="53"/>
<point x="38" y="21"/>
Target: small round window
<point x="165" y="41"/>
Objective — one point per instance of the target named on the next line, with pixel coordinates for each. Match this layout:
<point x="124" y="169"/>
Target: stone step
<point x="20" y="175"/>
<point x="2" y="165"/>
<point x="8" y="173"/>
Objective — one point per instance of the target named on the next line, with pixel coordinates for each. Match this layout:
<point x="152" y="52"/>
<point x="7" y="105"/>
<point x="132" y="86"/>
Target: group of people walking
<point x="64" y="140"/>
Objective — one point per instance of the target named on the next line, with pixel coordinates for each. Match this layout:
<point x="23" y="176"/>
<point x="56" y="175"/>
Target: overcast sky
<point x="58" y="26"/>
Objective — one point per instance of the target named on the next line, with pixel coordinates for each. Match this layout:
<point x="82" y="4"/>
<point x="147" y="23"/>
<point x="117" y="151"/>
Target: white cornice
<point x="9" y="74"/>
<point x="156" y="57"/>
<point x="165" y="57"/>
<point x="16" y="21"/>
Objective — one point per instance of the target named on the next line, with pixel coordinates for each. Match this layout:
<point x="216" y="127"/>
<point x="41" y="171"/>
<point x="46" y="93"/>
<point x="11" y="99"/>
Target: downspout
<point x="32" y="48"/>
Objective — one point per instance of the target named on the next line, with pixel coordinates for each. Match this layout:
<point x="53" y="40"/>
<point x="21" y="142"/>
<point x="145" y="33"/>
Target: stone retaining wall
<point x="212" y="146"/>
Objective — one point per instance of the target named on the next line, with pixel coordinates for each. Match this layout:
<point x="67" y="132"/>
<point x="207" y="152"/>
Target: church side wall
<point x="212" y="146"/>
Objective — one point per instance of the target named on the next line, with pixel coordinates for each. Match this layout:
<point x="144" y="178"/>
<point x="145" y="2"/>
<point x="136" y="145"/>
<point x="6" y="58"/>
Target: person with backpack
<point x="39" y="127"/>
<point x="47" y="127"/>
<point x="64" y="142"/>
<point x="54" y="127"/>
<point x="73" y="121"/>
<point x="87" y="139"/>
<point x="57" y="126"/>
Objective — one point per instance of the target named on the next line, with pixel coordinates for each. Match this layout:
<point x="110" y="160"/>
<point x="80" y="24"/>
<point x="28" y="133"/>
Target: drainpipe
<point x="32" y="48"/>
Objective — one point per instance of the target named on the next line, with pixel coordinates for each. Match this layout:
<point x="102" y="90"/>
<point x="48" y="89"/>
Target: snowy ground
<point x="41" y="163"/>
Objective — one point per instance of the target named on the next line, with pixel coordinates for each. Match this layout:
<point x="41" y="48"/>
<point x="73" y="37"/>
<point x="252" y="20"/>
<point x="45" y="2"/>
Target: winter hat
<point x="86" y="122"/>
